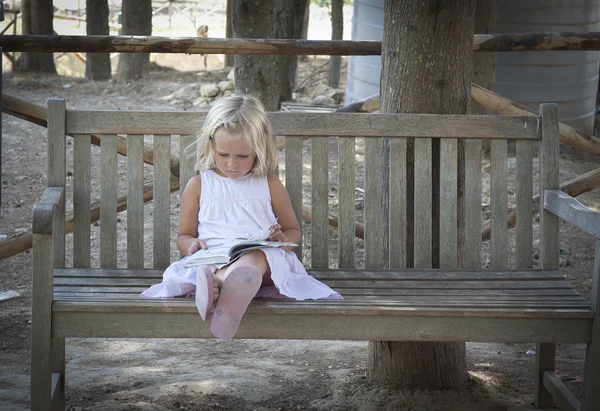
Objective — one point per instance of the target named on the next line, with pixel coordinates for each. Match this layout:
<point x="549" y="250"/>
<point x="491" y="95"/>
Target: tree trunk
<point x="97" y="66"/>
<point x="484" y="64"/>
<point x="229" y="58"/>
<point x="270" y="78"/>
<point x="426" y="68"/>
<point x="137" y="20"/>
<point x="37" y="18"/>
<point x="337" y="33"/>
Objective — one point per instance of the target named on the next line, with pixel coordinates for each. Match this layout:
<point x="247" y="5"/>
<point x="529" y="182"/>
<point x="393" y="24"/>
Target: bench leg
<point x="41" y="370"/>
<point x="591" y="376"/>
<point x="58" y="366"/>
<point x="544" y="361"/>
<point x="41" y="323"/>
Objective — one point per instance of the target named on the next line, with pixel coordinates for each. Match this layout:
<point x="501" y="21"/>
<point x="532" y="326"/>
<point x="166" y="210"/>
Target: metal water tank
<point x="569" y="78"/>
<point x="364" y="71"/>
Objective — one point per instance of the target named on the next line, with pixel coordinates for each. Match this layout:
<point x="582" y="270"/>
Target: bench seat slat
<point x="323" y="307"/>
<point x="362" y="304"/>
<point x="98" y="296"/>
<point x="345" y="275"/>
<point x="60" y="290"/>
<point x="427" y="284"/>
<point x="360" y="300"/>
<point x="433" y="326"/>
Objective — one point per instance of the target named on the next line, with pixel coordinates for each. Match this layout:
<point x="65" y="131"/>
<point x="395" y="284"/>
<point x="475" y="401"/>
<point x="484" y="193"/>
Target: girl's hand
<point x="196" y="245"/>
<point x="276" y="234"/>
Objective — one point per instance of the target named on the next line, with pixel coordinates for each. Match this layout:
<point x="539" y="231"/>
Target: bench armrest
<point x="47" y="210"/>
<point x="572" y="211"/>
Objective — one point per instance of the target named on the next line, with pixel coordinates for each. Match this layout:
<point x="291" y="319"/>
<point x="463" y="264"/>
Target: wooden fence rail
<point x="196" y="45"/>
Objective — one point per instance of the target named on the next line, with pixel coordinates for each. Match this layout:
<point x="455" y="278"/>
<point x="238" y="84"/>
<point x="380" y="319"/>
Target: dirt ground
<point x="147" y="374"/>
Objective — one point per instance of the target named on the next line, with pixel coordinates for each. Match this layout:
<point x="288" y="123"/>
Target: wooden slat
<point x="499" y="204"/>
<point x="82" y="167"/>
<point x="498" y="324"/>
<point x="423" y="284"/>
<point x="549" y="246"/>
<point x="320" y="202"/>
<point x="398" y="232"/>
<point x="549" y="180"/>
<point x="560" y="392"/>
<point x="358" y="274"/>
<point x="162" y="202"/>
<point x="359" y="301"/>
<point x="108" y="202"/>
<point x="373" y="209"/>
<point x="434" y="325"/>
<point x="434" y="275"/>
<point x="109" y="293"/>
<point x="105" y="282"/>
<point x="448" y="203"/>
<point x="358" y="304"/>
<point x="135" y="201"/>
<point x="423" y="203"/>
<point x="566" y="207"/>
<point x="473" y="163"/>
<point x="536" y="293"/>
<point x="387" y="284"/>
<point x="68" y="289"/>
<point x="57" y="167"/>
<point x="293" y="181"/>
<point x="524" y="177"/>
<point x="313" y="124"/>
<point x="41" y="317"/>
<point x="346" y="202"/>
<point x="544" y="361"/>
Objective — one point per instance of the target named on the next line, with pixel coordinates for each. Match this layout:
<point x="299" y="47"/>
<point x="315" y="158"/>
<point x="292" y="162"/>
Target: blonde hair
<point x="242" y="114"/>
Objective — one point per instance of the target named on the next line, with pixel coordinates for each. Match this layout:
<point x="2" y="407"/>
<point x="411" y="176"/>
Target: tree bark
<point x="426" y="68"/>
<point x="484" y="64"/>
<point x="37" y="18"/>
<point x="97" y="66"/>
<point x="270" y="78"/>
<point x="229" y="58"/>
<point x="137" y="20"/>
<point x="337" y="33"/>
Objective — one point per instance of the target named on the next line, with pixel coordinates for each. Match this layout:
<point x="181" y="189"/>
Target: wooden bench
<point x="499" y="304"/>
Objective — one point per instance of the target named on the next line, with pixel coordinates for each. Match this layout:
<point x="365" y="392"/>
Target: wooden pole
<point x="191" y="45"/>
<point x="187" y="45"/>
<point x="501" y="105"/>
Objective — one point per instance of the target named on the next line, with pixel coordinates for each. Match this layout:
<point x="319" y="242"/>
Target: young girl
<point x="235" y="196"/>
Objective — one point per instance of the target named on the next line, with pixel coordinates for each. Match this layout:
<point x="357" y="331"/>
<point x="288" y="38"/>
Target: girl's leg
<point x="255" y="258"/>
<point x="241" y="281"/>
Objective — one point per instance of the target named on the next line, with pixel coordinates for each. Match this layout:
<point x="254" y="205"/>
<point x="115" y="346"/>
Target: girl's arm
<point x="187" y="236"/>
<point x="287" y="228"/>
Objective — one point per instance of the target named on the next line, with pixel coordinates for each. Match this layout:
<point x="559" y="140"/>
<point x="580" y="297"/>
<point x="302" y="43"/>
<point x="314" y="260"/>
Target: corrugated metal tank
<point x="364" y="71"/>
<point x="569" y="78"/>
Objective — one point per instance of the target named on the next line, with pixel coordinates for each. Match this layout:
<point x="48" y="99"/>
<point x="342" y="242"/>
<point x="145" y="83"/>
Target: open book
<point x="231" y="250"/>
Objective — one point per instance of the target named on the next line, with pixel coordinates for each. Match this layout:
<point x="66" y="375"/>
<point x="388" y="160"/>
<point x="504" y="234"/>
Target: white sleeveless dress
<point x="238" y="209"/>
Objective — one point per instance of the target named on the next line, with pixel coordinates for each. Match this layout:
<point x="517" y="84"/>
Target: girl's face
<point x="234" y="159"/>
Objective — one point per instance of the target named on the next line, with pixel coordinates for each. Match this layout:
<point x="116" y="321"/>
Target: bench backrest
<point x="99" y="173"/>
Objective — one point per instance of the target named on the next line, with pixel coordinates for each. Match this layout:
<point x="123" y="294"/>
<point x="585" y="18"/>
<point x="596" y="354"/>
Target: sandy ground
<point x="146" y="374"/>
